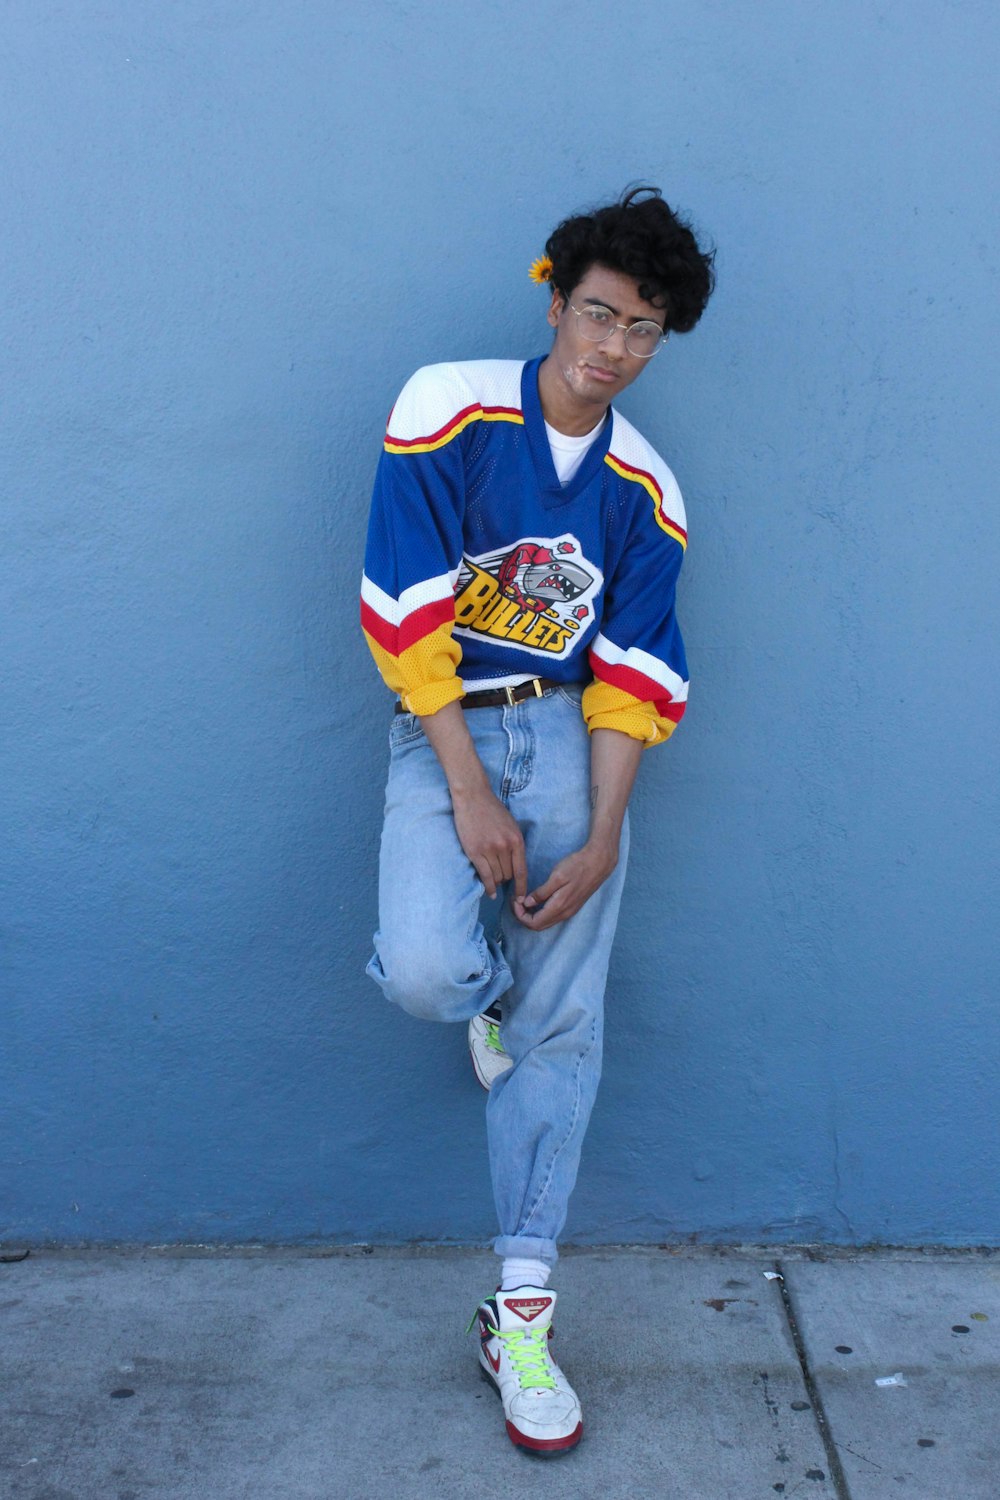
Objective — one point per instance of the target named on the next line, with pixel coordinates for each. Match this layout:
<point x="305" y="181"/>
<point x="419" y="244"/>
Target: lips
<point x="602" y="373"/>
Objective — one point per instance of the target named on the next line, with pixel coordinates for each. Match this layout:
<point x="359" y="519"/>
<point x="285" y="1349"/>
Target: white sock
<point x="517" y="1272"/>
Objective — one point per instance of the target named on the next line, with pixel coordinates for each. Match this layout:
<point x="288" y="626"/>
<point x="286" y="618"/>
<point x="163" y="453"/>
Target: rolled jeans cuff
<point x="526" y="1248"/>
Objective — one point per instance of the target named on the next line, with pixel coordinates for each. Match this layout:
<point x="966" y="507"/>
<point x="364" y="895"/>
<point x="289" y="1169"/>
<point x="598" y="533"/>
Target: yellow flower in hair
<point x="541" y="270"/>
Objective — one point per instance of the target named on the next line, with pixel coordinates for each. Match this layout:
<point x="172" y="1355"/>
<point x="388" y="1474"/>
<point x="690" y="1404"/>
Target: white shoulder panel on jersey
<point x="439" y="399"/>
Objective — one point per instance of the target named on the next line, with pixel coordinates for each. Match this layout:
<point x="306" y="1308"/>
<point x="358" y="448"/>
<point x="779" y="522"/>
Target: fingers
<point x="548" y="904"/>
<point x="494" y="844"/>
<point x="570" y="885"/>
<point x="509" y="863"/>
<point x="543" y="892"/>
<point x="544" y="917"/>
<point x="496" y="866"/>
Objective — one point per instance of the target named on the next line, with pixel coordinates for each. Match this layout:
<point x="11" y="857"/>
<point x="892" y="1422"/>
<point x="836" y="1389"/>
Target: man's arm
<point x="614" y="760"/>
<point x="486" y="830"/>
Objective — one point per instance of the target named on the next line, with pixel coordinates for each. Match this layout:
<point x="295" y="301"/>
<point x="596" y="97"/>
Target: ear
<point x="556" y="307"/>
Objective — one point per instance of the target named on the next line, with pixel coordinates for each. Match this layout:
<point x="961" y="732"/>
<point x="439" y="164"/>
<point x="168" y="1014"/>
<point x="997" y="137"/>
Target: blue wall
<point x="231" y="230"/>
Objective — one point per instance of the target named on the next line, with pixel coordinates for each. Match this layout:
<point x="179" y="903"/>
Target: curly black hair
<point x="641" y="236"/>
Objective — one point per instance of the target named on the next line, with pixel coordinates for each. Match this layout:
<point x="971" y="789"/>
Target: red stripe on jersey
<point x="380" y="630"/>
<point x="425" y="620"/>
<point x="434" y="437"/>
<point x="638" y="686"/>
<point x="421" y="622"/>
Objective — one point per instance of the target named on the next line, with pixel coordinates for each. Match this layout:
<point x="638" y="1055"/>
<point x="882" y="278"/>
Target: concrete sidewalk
<point x="298" y="1375"/>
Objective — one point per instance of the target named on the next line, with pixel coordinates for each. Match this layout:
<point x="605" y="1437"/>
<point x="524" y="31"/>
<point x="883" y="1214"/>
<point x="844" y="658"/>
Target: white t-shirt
<point x="568" y="452"/>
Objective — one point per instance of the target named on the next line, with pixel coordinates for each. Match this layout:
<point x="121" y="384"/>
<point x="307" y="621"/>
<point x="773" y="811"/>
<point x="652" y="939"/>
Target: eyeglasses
<point x="599" y="323"/>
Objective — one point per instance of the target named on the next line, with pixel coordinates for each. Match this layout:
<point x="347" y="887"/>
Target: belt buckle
<point x="535" y="684"/>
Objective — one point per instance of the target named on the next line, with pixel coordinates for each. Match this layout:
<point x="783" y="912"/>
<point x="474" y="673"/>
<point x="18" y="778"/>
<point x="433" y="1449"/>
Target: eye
<point x="602" y="316"/>
<point x="644" y="334"/>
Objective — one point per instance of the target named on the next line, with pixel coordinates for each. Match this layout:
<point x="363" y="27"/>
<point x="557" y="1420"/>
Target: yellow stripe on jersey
<point x="458" y="424"/>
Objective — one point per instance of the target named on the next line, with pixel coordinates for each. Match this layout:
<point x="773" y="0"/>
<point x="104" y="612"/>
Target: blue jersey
<point x="483" y="570"/>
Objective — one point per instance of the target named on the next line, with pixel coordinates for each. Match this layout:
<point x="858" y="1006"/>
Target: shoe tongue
<point x="525" y="1307"/>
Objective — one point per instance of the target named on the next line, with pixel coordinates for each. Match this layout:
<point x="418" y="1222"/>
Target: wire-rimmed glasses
<point x="598" y="323"/>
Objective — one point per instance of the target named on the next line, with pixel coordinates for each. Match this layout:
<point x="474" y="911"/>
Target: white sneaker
<point x="542" y="1411"/>
<point x="488" y="1057"/>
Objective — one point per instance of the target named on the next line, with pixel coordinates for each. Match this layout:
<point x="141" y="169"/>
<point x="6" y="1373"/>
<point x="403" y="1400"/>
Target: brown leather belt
<point x="495" y="697"/>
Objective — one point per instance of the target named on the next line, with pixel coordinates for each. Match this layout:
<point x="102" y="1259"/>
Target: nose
<point x="614" y="344"/>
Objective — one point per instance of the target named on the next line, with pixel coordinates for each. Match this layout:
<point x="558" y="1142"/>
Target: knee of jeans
<point x="577" y="1033"/>
<point x="423" y="984"/>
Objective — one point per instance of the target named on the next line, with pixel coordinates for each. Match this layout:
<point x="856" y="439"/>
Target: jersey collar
<point x="550" y="490"/>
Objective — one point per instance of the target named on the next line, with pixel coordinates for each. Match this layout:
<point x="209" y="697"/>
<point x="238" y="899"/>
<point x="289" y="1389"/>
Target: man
<point x="518" y="597"/>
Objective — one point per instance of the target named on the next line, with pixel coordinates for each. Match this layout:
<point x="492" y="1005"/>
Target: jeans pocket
<point x="403" y="729"/>
<point x="571" y="693"/>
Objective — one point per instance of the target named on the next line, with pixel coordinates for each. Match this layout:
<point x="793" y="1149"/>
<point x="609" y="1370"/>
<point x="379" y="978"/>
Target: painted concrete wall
<point x="230" y="232"/>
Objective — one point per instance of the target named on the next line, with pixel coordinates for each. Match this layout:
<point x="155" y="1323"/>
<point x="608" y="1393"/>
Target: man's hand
<point x="573" y="881"/>
<point x="486" y="830"/>
<point x="492" y="840"/>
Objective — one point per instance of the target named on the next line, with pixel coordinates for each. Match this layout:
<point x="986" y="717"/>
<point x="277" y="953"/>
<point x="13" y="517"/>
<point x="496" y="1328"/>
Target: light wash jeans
<point x="433" y="958"/>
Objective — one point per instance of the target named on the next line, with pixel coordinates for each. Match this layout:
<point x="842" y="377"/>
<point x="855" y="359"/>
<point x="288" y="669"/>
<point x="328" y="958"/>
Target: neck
<point x="561" y="407"/>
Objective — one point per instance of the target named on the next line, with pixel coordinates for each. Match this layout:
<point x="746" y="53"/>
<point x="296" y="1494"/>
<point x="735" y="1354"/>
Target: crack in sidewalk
<point x="836" y="1468"/>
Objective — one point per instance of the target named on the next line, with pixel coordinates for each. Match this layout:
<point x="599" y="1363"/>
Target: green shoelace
<point x="527" y="1349"/>
<point x="493" y="1036"/>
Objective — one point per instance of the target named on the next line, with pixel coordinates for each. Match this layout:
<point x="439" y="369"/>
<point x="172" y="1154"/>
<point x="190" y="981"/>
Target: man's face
<point x="596" y="373"/>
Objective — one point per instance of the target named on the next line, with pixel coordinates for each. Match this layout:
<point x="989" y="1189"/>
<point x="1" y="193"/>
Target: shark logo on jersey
<point x="537" y="595"/>
<point x="531" y="575"/>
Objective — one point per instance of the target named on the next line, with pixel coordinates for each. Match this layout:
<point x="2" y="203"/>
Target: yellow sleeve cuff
<point x="606" y="707"/>
<point x="432" y="696"/>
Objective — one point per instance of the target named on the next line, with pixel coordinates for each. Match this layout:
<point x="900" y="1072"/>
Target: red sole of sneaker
<point x="549" y="1448"/>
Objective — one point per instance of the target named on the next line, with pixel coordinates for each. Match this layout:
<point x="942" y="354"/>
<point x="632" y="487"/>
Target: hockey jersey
<point x="482" y="570"/>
